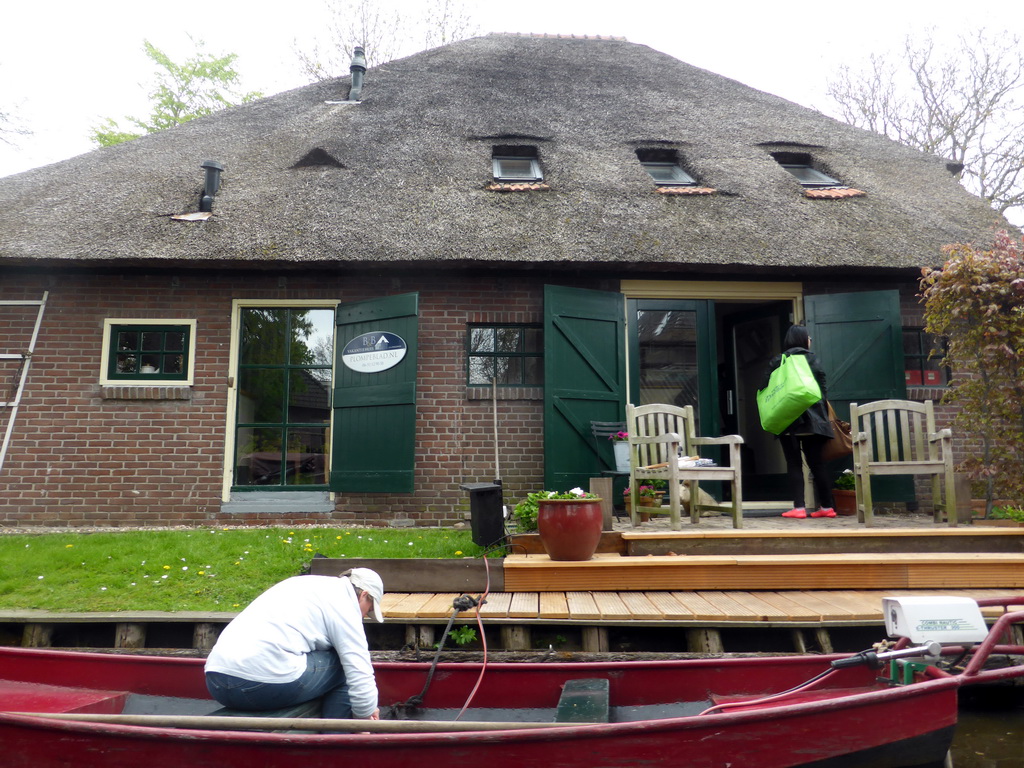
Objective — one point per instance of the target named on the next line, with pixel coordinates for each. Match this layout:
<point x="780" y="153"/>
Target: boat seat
<point x="583" y="701"/>
<point x="305" y="709"/>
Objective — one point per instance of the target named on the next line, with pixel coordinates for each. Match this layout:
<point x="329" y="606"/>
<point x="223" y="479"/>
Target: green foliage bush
<point x="976" y="301"/>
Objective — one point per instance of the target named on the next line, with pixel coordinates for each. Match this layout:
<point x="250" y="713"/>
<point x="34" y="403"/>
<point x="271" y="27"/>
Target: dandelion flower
<point x="167" y="567"/>
<point x="458" y="551"/>
<point x="68" y="546"/>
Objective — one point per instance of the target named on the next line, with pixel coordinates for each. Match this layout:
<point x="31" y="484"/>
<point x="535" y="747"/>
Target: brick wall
<point x="82" y="454"/>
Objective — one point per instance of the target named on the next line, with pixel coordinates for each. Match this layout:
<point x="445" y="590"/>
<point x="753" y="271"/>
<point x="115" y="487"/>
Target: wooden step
<point x="809" y="542"/>
<point x="538" y="573"/>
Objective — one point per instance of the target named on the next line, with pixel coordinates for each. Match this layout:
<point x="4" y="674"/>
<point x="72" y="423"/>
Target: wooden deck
<point x="814" y="589"/>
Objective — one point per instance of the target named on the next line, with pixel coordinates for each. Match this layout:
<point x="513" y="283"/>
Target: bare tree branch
<point x="962" y="104"/>
<point x="383" y="32"/>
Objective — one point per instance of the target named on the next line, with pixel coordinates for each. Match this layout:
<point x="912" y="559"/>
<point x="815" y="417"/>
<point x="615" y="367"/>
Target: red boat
<point x="879" y="708"/>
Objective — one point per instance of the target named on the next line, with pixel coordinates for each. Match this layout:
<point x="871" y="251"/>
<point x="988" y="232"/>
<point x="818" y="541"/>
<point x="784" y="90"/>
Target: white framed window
<point x="808" y="176"/>
<point x="516" y="164"/>
<point x="668" y="174"/>
<point x="145" y="351"/>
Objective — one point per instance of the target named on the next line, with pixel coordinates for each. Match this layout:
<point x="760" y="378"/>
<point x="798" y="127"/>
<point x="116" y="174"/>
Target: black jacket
<point x="813" y="421"/>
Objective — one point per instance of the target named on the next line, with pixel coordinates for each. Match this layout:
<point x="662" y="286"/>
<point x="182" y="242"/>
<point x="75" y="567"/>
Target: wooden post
<point x="204" y="635"/>
<point x="130" y="636"/>
<point x="704" y="640"/>
<point x="798" y="640"/>
<point x="824" y="640"/>
<point x="595" y="640"/>
<point x="602" y="486"/>
<point x="419" y="636"/>
<point x="515" y="637"/>
<point x="962" y="489"/>
<point x="37" y="636"/>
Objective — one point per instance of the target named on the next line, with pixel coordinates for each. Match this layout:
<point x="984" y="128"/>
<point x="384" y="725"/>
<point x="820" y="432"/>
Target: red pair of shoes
<point x="800" y="513"/>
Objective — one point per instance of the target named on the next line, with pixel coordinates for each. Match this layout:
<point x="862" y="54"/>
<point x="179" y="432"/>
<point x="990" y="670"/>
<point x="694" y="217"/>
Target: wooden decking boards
<point x="538" y="573"/>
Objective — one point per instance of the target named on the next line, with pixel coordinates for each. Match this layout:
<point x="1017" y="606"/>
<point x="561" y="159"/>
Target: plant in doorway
<point x="843" y="494"/>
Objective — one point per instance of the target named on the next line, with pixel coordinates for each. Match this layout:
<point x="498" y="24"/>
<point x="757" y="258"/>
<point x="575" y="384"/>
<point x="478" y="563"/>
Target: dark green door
<point x="585" y="380"/>
<point x="375" y="396"/>
<point x="858" y="338"/>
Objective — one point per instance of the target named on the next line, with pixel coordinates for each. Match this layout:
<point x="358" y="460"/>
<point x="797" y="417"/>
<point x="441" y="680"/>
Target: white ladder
<point x="22" y="373"/>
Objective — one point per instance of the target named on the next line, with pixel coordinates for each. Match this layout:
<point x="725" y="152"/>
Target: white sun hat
<point x="371" y="583"/>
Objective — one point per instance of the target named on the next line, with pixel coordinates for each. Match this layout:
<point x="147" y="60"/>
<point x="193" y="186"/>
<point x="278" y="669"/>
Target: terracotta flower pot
<point x="845" y="501"/>
<point x="570" y="529"/>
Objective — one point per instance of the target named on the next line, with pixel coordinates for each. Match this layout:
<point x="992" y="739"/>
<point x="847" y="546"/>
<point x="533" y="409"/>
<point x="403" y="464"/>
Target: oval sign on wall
<point x="374" y="352"/>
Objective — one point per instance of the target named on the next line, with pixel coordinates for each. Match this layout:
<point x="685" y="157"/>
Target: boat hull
<point x="856" y="721"/>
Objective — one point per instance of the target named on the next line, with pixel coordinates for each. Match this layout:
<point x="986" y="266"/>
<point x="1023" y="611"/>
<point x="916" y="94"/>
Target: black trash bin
<point x="485" y="509"/>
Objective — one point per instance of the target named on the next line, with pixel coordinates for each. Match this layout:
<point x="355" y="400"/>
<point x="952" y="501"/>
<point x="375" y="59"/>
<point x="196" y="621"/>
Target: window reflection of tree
<point x="668" y="357"/>
<point x="284" y="395"/>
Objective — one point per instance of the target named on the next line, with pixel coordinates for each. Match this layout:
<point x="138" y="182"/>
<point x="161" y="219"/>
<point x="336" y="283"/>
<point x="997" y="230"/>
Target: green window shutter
<point x="375" y="410"/>
<point x="585" y="380"/>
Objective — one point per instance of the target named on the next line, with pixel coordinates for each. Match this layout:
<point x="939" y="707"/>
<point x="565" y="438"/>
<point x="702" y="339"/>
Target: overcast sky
<point x="67" y="64"/>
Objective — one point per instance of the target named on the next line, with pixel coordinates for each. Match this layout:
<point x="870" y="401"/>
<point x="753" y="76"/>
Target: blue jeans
<point x="324" y="676"/>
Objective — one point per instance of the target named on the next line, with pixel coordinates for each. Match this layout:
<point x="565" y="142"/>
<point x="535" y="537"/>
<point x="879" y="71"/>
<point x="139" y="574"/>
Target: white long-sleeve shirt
<point x="268" y="641"/>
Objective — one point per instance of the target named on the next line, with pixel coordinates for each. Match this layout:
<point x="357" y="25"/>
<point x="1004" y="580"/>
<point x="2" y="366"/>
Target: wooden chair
<point x="658" y="436"/>
<point x="898" y="437"/>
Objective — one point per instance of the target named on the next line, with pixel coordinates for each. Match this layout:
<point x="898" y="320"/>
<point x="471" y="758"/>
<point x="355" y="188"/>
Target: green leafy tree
<point x="199" y="86"/>
<point x="976" y="301"/>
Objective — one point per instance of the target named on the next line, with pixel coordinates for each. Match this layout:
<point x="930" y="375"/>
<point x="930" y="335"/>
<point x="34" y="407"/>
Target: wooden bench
<point x="658" y="435"/>
<point x="898" y="437"/>
<point x="583" y="701"/>
<point x="305" y="709"/>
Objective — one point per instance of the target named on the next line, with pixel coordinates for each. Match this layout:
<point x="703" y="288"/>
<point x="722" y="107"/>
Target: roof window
<point x="799" y="164"/>
<point x="516" y="163"/>
<point x="663" y="166"/>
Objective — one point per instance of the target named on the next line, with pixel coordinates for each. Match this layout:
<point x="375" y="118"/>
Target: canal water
<point x="990" y="733"/>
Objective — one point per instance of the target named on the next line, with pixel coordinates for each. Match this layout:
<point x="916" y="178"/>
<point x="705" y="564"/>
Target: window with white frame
<point x="148" y="351"/>
<point x="516" y="164"/>
<point x="665" y="168"/>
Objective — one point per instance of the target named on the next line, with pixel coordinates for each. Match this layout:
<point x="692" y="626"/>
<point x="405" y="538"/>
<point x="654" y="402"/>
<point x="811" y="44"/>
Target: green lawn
<point x="203" y="569"/>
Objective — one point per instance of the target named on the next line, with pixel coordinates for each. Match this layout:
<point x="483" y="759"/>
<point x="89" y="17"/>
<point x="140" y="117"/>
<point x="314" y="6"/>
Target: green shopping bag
<point x="791" y="389"/>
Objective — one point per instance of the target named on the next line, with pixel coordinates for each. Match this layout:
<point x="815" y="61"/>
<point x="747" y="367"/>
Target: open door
<point x="858" y="337"/>
<point x="375" y="396"/>
<point x="585" y="380"/>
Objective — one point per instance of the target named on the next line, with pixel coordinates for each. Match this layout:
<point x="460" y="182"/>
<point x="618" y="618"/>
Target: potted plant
<point x="620" y="446"/>
<point x="569" y="522"/>
<point x="648" y="495"/>
<point x="843" y="494"/>
<point x="1008" y="516"/>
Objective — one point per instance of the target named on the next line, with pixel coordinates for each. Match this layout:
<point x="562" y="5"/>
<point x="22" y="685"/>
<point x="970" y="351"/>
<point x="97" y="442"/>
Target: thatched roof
<point x="403" y="175"/>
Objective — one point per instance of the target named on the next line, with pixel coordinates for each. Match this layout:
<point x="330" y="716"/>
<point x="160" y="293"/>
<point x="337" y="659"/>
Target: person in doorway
<point x="807" y="434"/>
<point x="301" y="639"/>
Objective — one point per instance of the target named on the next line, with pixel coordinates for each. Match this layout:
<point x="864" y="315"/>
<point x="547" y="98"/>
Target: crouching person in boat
<point x="301" y="639"/>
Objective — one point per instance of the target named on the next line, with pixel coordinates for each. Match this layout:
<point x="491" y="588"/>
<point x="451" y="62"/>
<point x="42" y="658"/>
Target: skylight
<point x="799" y="164"/>
<point x="516" y="164"/>
<point x="663" y="166"/>
<point x="809" y="177"/>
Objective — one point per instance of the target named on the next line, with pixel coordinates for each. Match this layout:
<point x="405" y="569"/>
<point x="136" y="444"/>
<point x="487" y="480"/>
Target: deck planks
<point x="705" y="607"/>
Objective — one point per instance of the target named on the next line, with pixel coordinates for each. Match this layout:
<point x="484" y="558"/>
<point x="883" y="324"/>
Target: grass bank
<point x="203" y="569"/>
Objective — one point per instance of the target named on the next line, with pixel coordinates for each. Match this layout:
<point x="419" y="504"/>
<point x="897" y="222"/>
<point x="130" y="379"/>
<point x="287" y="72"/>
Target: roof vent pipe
<point x="211" y="185"/>
<point x="358" y="68"/>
